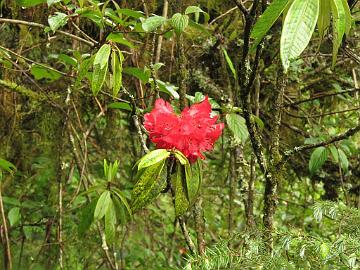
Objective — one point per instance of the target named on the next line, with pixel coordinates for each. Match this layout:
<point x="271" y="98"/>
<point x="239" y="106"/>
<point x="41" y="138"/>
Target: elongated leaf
<point x="153" y="157"/>
<point x="318" y="158"/>
<point x="344" y="162"/>
<point x="120" y="106"/>
<point x="181" y="201"/>
<point x="193" y="184"/>
<point x="102" y="56"/>
<point x="121" y="215"/>
<point x="180" y="156"/>
<point x="14" y="216"/>
<point x="324" y="18"/>
<point x="230" y="64"/>
<point x="151" y="182"/>
<point x="179" y="22"/>
<point x="267" y="20"/>
<point x="29" y="3"/>
<point x="110" y="222"/>
<point x="116" y="63"/>
<point x="6" y="165"/>
<point x="119" y="38"/>
<point x="348" y="17"/>
<point x="339" y="26"/>
<point x="102" y="205"/>
<point x="238" y="127"/>
<point x="98" y="78"/>
<point x="150" y="24"/>
<point x="334" y="152"/>
<point x="168" y="88"/>
<point x="86" y="218"/>
<point x="119" y="194"/>
<point x="298" y="28"/>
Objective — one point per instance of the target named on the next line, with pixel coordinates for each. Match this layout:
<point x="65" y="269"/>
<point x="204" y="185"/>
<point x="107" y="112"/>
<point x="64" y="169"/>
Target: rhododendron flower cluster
<point x="192" y="132"/>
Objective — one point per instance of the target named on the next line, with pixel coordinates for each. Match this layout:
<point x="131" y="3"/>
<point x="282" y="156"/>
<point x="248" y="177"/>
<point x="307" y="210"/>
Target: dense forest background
<point x="280" y="190"/>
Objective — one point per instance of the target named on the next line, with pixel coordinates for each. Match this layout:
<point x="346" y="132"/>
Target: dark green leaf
<point x="344" y="162"/>
<point x="119" y="38"/>
<point x="318" y="158"/>
<point x="181" y="202"/>
<point x="193" y="183"/>
<point x="120" y="106"/>
<point x="151" y="182"/>
<point x="98" y="78"/>
<point x="110" y="222"/>
<point x="14" y="216"/>
<point x="41" y="72"/>
<point x="102" y="205"/>
<point x="139" y="73"/>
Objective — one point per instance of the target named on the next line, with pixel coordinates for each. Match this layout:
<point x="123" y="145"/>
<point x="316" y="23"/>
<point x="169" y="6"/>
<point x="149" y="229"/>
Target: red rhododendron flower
<point x="192" y="132"/>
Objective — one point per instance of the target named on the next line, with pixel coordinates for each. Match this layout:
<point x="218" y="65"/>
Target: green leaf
<point x="6" y="165"/>
<point x="51" y="2"/>
<point x="119" y="194"/>
<point x="197" y="11"/>
<point x="230" y="64"/>
<point x="120" y="105"/>
<point x="139" y="73"/>
<point x="98" y="78"/>
<point x="14" y="216"/>
<point x="323" y="22"/>
<point x="151" y="182"/>
<point x="168" y="88"/>
<point x="150" y="24"/>
<point x="237" y="125"/>
<point x="131" y="13"/>
<point x="179" y="22"/>
<point x="153" y="157"/>
<point x="119" y="38"/>
<point x="181" y="201"/>
<point x="298" y="28"/>
<point x="120" y="211"/>
<point x="110" y="222"/>
<point x="193" y="184"/>
<point x="180" y="156"/>
<point x="267" y="20"/>
<point x="116" y="63"/>
<point x="41" y="72"/>
<point x="57" y="21"/>
<point x="348" y="18"/>
<point x="344" y="162"/>
<point x="86" y="218"/>
<point x="102" y="205"/>
<point x="102" y="56"/>
<point x="334" y="152"/>
<point x="317" y="159"/>
<point x="339" y="26"/>
<point x="29" y="3"/>
<point x="324" y="250"/>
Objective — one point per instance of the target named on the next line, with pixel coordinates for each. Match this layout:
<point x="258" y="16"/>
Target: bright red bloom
<point x="192" y="132"/>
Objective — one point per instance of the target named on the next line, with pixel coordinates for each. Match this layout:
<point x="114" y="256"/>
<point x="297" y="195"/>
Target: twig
<point x="8" y="259"/>
<point x="323" y="114"/>
<point x="223" y="15"/>
<point x="4" y="20"/>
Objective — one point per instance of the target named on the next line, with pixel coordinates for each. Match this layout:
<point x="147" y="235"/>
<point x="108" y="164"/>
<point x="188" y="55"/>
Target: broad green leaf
<point x="6" y="165"/>
<point x="150" y="24"/>
<point x="193" y="184"/>
<point x="116" y="62"/>
<point x="120" y="106"/>
<point x="102" y="56"/>
<point x="86" y="218"/>
<point x="131" y="13"/>
<point x="179" y="22"/>
<point x="140" y="73"/>
<point x="151" y="182"/>
<point x="197" y="11"/>
<point x="347" y="16"/>
<point x="334" y="152"/>
<point x="14" y="216"/>
<point x="57" y="21"/>
<point x="40" y="72"/>
<point x="29" y="3"/>
<point x="324" y="18"/>
<point x="181" y="201"/>
<point x="102" y="205"/>
<point x="153" y="157"/>
<point x="98" y="78"/>
<point x="267" y="20"/>
<point x="339" y="26"/>
<point x="230" y="64"/>
<point x="317" y="159"/>
<point x="110" y="222"/>
<point x="237" y="125"/>
<point x="168" y="88"/>
<point x="119" y="38"/>
<point x="298" y="28"/>
<point x="344" y="162"/>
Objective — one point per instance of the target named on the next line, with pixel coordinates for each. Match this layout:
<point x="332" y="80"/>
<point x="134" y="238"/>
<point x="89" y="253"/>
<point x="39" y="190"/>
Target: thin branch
<point x="223" y="15"/>
<point x="90" y="43"/>
<point x="241" y="6"/>
<point x="321" y="115"/>
<point x="350" y="132"/>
